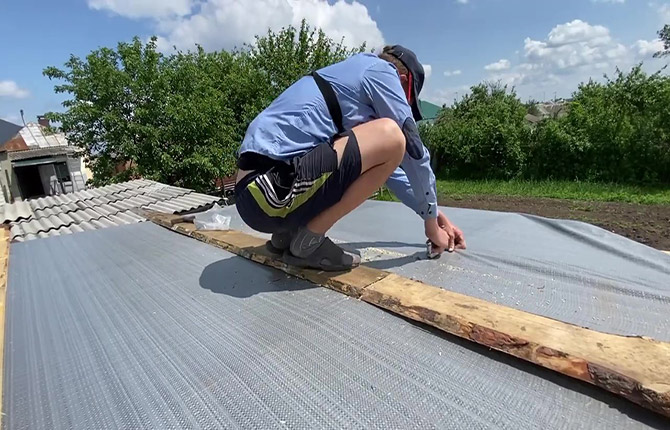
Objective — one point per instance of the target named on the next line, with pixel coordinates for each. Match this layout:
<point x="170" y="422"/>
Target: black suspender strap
<point x="331" y="101"/>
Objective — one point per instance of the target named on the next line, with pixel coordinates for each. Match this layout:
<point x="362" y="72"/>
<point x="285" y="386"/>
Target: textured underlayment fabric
<point x="567" y="270"/>
<point x="139" y="327"/>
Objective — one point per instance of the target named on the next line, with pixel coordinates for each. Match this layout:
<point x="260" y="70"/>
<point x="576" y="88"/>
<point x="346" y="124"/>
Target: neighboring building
<point x="429" y="110"/>
<point x="533" y="119"/>
<point x="35" y="162"/>
<point x="554" y="109"/>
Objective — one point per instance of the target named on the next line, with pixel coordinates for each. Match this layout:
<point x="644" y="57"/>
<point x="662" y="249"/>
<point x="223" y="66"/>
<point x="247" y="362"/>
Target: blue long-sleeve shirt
<point x="367" y="88"/>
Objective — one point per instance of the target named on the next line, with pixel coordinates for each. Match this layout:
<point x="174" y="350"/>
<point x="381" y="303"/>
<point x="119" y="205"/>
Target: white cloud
<point x="446" y="95"/>
<point x="462" y="1"/>
<point x="647" y="48"/>
<point x="503" y="64"/>
<point x="575" y="44"/>
<point x="578" y="31"/>
<point x="428" y="70"/>
<point x="11" y="90"/>
<point x="144" y="8"/>
<point x="449" y="73"/>
<point x="664" y="11"/>
<point x="571" y="53"/>
<point x="216" y="24"/>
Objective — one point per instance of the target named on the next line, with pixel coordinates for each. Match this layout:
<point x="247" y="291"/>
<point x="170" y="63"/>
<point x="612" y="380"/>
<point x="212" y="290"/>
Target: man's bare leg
<point x="382" y="147"/>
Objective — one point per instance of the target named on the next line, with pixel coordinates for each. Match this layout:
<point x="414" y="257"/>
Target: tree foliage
<point x="619" y="130"/>
<point x="664" y="35"/>
<point x="286" y="56"/>
<point x="179" y="118"/>
<point x="482" y="135"/>
<point x="615" y="131"/>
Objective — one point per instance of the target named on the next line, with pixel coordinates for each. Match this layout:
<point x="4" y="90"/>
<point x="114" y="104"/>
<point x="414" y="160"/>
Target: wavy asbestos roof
<point x="97" y="208"/>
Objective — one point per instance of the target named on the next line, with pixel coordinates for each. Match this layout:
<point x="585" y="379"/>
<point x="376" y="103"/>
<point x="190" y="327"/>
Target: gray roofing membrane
<point x="567" y="270"/>
<point x="140" y="327"/>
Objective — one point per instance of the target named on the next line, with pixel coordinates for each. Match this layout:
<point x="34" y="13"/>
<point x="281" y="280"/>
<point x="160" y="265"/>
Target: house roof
<point x="32" y="136"/>
<point x="429" y="110"/>
<point x="97" y="208"/>
<point x="7" y="131"/>
<point x="152" y="329"/>
<point x="533" y="119"/>
<point x="41" y="152"/>
<point x="36" y="136"/>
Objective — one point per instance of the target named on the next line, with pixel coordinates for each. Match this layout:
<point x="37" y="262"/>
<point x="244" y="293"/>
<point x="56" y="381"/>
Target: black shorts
<point x="283" y="199"/>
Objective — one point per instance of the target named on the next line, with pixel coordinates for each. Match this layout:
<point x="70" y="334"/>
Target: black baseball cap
<point x="408" y="58"/>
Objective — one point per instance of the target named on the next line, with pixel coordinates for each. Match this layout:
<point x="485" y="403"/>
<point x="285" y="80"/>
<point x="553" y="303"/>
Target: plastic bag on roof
<point x="212" y="219"/>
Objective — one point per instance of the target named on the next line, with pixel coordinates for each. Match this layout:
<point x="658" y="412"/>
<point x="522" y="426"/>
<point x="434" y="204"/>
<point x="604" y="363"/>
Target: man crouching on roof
<point x="326" y="144"/>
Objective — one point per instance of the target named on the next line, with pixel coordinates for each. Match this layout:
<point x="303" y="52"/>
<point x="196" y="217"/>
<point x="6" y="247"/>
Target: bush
<point x="179" y="118"/>
<point x="626" y="122"/>
<point x="552" y="152"/>
<point x="616" y="131"/>
<point x="482" y="136"/>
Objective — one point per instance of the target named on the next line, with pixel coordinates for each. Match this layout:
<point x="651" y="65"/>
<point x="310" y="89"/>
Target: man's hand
<point x="444" y="234"/>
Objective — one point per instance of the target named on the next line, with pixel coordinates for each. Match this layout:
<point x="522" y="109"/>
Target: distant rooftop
<point x="8" y="130"/>
<point x="429" y="110"/>
<point x="33" y="136"/>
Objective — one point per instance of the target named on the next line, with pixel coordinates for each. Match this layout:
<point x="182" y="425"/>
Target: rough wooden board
<point x="4" y="259"/>
<point x="166" y="220"/>
<point x="351" y="283"/>
<point x="636" y="368"/>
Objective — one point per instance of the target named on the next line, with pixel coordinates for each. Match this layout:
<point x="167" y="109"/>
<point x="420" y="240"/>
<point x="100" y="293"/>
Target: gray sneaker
<point x="327" y="257"/>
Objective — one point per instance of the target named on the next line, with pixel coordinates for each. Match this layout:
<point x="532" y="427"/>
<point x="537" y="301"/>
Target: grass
<point x="586" y="191"/>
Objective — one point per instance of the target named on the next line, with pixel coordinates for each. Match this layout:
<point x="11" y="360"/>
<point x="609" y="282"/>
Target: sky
<point x="543" y="48"/>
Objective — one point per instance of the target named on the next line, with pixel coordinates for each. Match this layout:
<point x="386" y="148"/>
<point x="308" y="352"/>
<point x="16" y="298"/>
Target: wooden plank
<point x="4" y="260"/>
<point x="351" y="283"/>
<point x="636" y="368"/>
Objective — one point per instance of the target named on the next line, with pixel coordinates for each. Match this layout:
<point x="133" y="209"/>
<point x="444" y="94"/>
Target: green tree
<point x="482" y="135"/>
<point x="179" y="118"/>
<point x="625" y="126"/>
<point x="287" y="55"/>
<point x="664" y="35"/>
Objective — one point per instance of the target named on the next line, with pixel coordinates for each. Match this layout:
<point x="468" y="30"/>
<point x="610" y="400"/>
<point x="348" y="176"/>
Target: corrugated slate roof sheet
<point x="97" y="208"/>
<point x="16" y="211"/>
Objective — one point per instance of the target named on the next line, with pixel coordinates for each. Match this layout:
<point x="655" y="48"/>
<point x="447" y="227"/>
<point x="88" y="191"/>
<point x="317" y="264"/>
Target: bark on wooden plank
<point x="4" y="260"/>
<point x="636" y="368"/>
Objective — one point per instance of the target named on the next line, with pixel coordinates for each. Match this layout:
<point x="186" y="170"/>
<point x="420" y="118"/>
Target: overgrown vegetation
<point x="179" y="118"/>
<point x="616" y="131"/>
